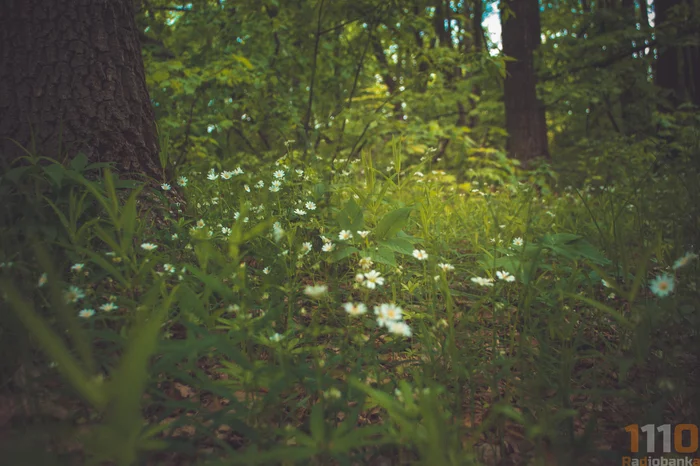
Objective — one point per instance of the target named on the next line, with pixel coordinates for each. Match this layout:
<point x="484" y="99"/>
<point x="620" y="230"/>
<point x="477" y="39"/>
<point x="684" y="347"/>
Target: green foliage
<point x="221" y="312"/>
<point x="340" y="158"/>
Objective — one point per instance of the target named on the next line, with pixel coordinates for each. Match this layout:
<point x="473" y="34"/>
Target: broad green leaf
<point x="79" y="162"/>
<point x="341" y="254"/>
<point x="392" y="223"/>
<point x="398" y="245"/>
<point x="56" y="172"/>
<point x="351" y="217"/>
<point x="383" y="255"/>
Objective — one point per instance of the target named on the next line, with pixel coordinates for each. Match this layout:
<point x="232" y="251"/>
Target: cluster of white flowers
<point x="391" y="317"/>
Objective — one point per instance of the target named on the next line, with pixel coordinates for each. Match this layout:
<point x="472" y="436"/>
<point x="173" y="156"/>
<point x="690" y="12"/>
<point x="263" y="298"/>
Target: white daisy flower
<point x="355" y="309"/>
<point x="421" y="255"/>
<point x="372" y="279"/>
<point x="315" y="291"/>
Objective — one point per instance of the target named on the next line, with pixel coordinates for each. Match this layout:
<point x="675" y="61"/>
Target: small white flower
<point x="505" y="276"/>
<point x="200" y="223"/>
<point x="77" y="267"/>
<point x="388" y="313"/>
<point x="399" y="328"/>
<point x="169" y="268"/>
<point x="446" y="267"/>
<point x="310" y="206"/>
<point x="363" y="234"/>
<point x="149" y="246"/>
<point x="246" y="187"/>
<point x="74" y="294"/>
<point x="276" y="337"/>
<point x="277" y="232"/>
<point x="684" y="260"/>
<point x="165" y="187"/>
<point x="266" y="270"/>
<point x="86" y="313"/>
<point x="182" y="181"/>
<point x="174" y="236"/>
<point x="108" y="307"/>
<point x="328" y="247"/>
<point x="306" y="247"/>
<point x="237" y="171"/>
<point x="421" y="255"/>
<point x="355" y="309"/>
<point x="372" y="279"/>
<point x="43" y="279"/>
<point x="344" y="235"/>
<point x="260" y="184"/>
<point x="226" y="175"/>
<point x="482" y="281"/>
<point x="366" y="263"/>
<point x="212" y="175"/>
<point x="518" y="241"/>
<point x="315" y="291"/>
<point x="300" y="212"/>
<point x="279" y="174"/>
<point x="226" y="230"/>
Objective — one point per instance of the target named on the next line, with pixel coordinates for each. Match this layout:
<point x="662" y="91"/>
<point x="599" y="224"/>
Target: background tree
<point x="525" y="114"/>
<point x="72" y="80"/>
<point x="677" y="68"/>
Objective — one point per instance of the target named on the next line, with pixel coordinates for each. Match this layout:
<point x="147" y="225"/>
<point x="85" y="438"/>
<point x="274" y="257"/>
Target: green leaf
<point x="317" y="426"/>
<point x="128" y="382"/>
<point x="102" y="262"/>
<point x="79" y="162"/>
<point x="574" y="247"/>
<point x="351" y="217"/>
<point x="15" y="174"/>
<point x="383" y="255"/>
<point x="56" y="172"/>
<point x="127" y="223"/>
<point x="341" y="254"/>
<point x="400" y="245"/>
<point x="160" y="76"/>
<point x="392" y="223"/>
<point x="243" y="60"/>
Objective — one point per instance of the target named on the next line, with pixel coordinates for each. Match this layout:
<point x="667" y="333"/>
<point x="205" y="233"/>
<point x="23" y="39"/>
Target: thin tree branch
<point x="307" y="118"/>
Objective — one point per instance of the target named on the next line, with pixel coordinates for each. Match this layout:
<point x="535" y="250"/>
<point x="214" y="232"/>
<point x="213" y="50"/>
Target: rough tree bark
<point x="72" y="80"/>
<point x="525" y="115"/>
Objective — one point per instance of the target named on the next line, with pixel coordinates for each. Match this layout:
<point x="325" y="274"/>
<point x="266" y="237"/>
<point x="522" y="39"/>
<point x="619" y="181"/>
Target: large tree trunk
<point x="525" y="116"/>
<point x="72" y="80"/>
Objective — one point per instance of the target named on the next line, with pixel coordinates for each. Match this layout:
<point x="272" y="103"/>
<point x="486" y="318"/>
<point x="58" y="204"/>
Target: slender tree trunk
<point x="72" y="80"/>
<point x="478" y="47"/>
<point x="667" y="75"/>
<point x="636" y="111"/>
<point x="525" y="115"/>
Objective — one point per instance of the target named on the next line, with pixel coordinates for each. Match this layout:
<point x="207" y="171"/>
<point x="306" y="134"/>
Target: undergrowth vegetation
<point x="344" y="313"/>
